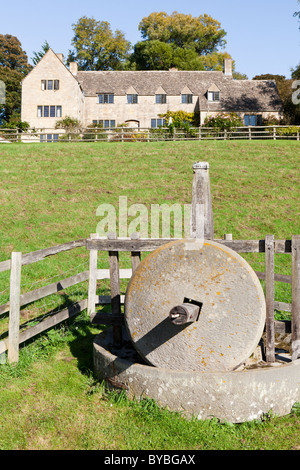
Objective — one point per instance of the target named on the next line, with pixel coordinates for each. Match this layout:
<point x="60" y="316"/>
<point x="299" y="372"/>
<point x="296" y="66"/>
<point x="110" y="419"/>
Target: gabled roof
<point x="144" y="82"/>
<point x="235" y="95"/>
<point x="50" y="52"/>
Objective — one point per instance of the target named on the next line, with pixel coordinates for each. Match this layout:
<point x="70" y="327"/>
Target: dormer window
<point x="132" y="99"/>
<point x="161" y="98"/>
<point x="132" y="95"/>
<point x="213" y="96"/>
<point x="186" y="99"/>
<point x="213" y="93"/>
<point x="186" y="96"/>
<point x="106" y="98"/>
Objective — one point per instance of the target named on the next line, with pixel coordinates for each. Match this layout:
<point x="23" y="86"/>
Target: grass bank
<point x="49" y="195"/>
<point x="50" y="401"/>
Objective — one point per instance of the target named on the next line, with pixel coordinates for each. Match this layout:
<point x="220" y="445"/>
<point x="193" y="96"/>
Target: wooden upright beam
<point x="202" y="224"/>
<point x="115" y="290"/>
<point x="295" y="297"/>
<point x="135" y="255"/>
<point x="91" y="307"/>
<point x="14" y="307"/>
<point x="269" y="280"/>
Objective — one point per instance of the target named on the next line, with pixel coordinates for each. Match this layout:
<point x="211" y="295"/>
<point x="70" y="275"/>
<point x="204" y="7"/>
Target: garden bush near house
<point x="14" y="124"/>
<point x="183" y="121"/>
<point x="160" y="133"/>
<point x="222" y="122"/>
<point x="288" y="131"/>
<point x="94" y="132"/>
<point x="71" y="126"/>
<point x="129" y="136"/>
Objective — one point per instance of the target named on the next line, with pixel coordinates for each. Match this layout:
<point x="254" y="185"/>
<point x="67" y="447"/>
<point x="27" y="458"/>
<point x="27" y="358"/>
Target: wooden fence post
<point x="14" y="307"/>
<point x="115" y="289"/>
<point x="135" y="255"/>
<point x="295" y="297"/>
<point x="92" y="279"/>
<point x="202" y="224"/>
<point x="269" y="283"/>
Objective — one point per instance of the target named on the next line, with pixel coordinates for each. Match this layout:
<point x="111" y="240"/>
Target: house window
<point x="48" y="137"/>
<point x="49" y="111"/>
<point x="132" y="99"/>
<point x="253" y="119"/>
<point x="161" y="99"/>
<point x="213" y="96"/>
<point x="106" y="98"/>
<point x="106" y="123"/>
<point x="50" y="84"/>
<point x="186" y="99"/>
<point x="52" y="111"/>
<point x="155" y="123"/>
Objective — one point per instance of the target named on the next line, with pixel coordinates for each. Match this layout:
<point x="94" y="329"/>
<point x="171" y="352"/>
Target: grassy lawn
<point x="49" y="195"/>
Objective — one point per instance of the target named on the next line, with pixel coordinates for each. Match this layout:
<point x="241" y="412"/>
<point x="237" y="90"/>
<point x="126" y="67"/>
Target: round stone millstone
<point x="206" y="273"/>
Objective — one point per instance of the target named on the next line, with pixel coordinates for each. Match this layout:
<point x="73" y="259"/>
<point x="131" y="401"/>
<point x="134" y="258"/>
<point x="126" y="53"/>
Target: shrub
<point x="287" y="131"/>
<point x="71" y="126"/>
<point x="223" y="121"/>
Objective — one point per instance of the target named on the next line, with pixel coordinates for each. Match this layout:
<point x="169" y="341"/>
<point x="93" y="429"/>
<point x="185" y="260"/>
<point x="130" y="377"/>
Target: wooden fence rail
<point x="126" y="134"/>
<point x="135" y="246"/>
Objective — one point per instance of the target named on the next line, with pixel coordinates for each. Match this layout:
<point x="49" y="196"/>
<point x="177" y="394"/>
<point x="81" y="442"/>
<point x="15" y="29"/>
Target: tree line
<point x="167" y="41"/>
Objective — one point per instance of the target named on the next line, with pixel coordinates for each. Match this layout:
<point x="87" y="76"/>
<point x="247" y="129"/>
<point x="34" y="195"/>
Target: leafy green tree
<point x="152" y="55"/>
<point x="296" y="73"/>
<point x="13" y="68"/>
<point x="181" y="41"/>
<point x="96" y="47"/>
<point x="39" y="55"/>
<point x="203" y="34"/>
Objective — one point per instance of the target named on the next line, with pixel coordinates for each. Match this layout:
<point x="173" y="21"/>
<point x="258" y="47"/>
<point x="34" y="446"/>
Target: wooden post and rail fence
<point x="135" y="246"/>
<point x="138" y="134"/>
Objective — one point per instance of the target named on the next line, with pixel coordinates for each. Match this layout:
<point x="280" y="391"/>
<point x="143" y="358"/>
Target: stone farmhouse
<point x="52" y="91"/>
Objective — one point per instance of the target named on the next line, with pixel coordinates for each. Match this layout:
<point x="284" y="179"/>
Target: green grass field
<point x="49" y="195"/>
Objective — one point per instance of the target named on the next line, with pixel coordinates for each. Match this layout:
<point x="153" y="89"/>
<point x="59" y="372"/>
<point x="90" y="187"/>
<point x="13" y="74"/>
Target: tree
<point x="181" y="41"/>
<point x="152" y="55"/>
<point x="296" y="73"/>
<point x="96" y="47"/>
<point x="13" y="68"/>
<point x="291" y="111"/>
<point x="39" y="55"/>
<point x="203" y="34"/>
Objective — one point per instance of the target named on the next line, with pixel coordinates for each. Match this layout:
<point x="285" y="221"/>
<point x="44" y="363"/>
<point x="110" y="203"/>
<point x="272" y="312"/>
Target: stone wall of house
<point x="68" y="96"/>
<point x="135" y="114"/>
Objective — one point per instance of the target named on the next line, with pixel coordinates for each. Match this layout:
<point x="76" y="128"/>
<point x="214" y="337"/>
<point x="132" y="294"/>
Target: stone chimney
<point x="228" y="67"/>
<point x="61" y="57"/>
<point x="73" y="68"/>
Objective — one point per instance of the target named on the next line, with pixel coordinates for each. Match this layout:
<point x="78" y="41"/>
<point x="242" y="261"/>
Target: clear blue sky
<point x="262" y="35"/>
